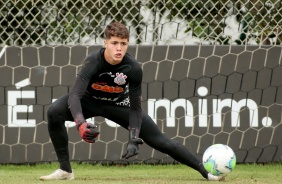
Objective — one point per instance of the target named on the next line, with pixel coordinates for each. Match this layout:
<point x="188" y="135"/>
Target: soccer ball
<point x="219" y="159"/>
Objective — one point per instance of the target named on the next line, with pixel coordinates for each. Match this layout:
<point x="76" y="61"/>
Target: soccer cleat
<point x="215" y="178"/>
<point x="58" y="175"/>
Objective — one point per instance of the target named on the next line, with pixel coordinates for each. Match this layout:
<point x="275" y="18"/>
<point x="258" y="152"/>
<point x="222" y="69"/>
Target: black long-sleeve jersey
<point x="109" y="83"/>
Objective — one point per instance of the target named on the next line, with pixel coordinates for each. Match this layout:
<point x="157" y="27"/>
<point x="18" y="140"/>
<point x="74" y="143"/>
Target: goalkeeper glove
<point x="133" y="143"/>
<point x="87" y="131"/>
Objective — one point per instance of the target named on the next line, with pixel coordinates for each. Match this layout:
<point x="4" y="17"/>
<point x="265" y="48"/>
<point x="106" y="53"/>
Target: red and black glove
<point x="87" y="131"/>
<point x="133" y="143"/>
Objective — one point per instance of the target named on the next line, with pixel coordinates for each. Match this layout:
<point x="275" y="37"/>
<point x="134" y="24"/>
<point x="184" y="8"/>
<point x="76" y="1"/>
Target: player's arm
<point x="78" y="90"/>
<point x="86" y="130"/>
<point x="135" y="119"/>
<point x="135" y="115"/>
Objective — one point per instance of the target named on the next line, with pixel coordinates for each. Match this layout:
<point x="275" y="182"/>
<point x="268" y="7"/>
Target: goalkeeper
<point x="109" y="85"/>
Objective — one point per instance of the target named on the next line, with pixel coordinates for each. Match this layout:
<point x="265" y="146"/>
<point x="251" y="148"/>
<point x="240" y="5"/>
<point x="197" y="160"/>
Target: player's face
<point x="116" y="48"/>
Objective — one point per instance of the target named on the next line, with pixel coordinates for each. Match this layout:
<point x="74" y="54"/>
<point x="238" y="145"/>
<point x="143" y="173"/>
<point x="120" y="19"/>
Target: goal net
<point x="212" y="74"/>
<point x="198" y="95"/>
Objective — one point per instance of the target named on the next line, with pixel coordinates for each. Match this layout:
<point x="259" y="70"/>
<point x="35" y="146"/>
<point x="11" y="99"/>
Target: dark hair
<point x="116" y="29"/>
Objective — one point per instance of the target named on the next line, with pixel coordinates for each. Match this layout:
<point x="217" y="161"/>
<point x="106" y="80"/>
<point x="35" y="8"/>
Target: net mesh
<point x="50" y="22"/>
<point x="197" y="95"/>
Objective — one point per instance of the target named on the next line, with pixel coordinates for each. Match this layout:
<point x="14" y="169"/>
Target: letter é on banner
<point x="14" y="109"/>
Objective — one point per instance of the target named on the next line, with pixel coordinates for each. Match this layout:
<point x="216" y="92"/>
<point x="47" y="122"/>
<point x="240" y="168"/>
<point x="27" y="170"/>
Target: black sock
<point x="63" y="158"/>
<point x="65" y="166"/>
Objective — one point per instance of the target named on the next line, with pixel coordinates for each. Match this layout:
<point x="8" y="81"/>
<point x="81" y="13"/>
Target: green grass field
<point x="139" y="174"/>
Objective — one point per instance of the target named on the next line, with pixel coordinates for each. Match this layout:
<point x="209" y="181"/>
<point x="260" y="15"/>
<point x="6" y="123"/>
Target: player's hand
<point x="133" y="144"/>
<point x="87" y="131"/>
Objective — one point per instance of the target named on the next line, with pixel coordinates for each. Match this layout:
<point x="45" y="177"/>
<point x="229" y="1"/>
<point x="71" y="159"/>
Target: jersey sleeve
<point x="75" y="95"/>
<point x="89" y="67"/>
<point x="136" y="82"/>
<point x="135" y="115"/>
<point x="79" y="87"/>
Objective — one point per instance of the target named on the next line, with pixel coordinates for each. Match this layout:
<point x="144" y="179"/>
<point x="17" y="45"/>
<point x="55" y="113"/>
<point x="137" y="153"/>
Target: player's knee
<point x="52" y="112"/>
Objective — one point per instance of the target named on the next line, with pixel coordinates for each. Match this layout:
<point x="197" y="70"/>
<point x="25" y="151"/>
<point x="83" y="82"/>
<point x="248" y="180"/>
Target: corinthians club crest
<point x="120" y="79"/>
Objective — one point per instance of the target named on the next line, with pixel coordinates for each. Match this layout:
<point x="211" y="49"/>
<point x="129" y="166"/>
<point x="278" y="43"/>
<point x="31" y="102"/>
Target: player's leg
<point x="152" y="136"/>
<point x="57" y="114"/>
